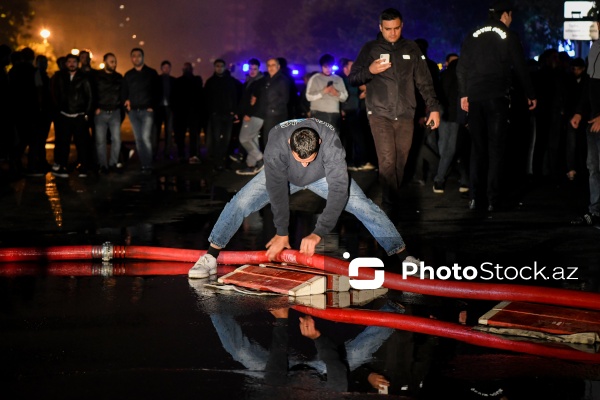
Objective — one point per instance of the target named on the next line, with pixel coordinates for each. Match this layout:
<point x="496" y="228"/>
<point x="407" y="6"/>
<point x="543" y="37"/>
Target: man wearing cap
<point x="489" y="55"/>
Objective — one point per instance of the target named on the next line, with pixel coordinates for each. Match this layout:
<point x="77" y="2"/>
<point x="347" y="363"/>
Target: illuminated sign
<point x="578" y="9"/>
<point x="578" y="30"/>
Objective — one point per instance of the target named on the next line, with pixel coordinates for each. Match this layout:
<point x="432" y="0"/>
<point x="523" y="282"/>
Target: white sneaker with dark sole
<point x="204" y="267"/>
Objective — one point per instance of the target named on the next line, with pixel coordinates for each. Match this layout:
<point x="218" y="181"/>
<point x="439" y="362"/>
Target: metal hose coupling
<point x="107" y="251"/>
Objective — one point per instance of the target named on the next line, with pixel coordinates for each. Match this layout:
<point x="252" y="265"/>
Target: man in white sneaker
<point x="301" y="154"/>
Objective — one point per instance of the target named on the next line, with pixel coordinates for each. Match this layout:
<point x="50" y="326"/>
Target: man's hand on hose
<point x="309" y="243"/>
<point x="276" y="245"/>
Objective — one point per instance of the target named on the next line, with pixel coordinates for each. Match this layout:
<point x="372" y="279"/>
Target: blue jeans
<point x="249" y="139"/>
<point x="104" y="121"/>
<point x="141" y="122"/>
<point x="448" y="134"/>
<point x="593" y="165"/>
<point x="254" y="196"/>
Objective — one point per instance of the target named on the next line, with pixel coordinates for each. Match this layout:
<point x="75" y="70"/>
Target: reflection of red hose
<point x="88" y="268"/>
<point x="448" y="330"/>
<point x="457" y="289"/>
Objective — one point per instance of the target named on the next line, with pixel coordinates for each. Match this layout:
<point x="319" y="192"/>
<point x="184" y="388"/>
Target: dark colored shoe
<point x="260" y="165"/>
<point x="146" y="170"/>
<point x="438" y="187"/>
<point x="586" y="220"/>
<point x="103" y="171"/>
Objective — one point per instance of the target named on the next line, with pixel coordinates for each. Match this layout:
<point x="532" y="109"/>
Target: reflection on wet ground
<point x="113" y="336"/>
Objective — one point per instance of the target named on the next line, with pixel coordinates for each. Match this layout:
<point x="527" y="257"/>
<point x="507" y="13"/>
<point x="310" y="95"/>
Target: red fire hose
<point x="446" y="329"/>
<point x="455" y="289"/>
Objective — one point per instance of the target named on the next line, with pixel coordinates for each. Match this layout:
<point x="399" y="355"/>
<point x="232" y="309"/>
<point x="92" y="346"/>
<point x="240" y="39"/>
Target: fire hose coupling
<point x="107" y="251"/>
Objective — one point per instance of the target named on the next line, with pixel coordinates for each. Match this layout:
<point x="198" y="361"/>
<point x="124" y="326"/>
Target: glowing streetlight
<point x="45" y="34"/>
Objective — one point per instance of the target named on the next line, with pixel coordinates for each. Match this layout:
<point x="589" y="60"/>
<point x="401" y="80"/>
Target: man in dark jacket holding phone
<point x="391" y="66"/>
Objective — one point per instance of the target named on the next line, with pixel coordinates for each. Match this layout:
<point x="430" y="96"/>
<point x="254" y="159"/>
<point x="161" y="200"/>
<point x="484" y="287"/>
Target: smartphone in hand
<point x="385" y="58"/>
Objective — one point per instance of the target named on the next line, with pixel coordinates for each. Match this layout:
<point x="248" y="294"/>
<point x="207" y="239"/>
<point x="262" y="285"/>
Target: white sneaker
<point x="418" y="272"/>
<point x="204" y="267"/>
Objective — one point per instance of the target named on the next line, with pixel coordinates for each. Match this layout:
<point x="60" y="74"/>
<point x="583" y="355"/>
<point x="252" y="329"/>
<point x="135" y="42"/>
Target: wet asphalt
<point x="152" y="336"/>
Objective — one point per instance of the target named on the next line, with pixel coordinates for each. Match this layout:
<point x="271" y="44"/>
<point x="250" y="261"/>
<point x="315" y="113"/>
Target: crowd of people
<point x="392" y="108"/>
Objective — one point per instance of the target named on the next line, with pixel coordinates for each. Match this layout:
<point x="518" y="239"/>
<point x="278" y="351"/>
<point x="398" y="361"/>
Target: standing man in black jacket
<point x="274" y="96"/>
<point x="391" y="66"/>
<point x="73" y="98"/>
<point x="164" y="111"/>
<point x="140" y="92"/>
<point x="221" y="94"/>
<point x="489" y="55"/>
<point x="187" y="112"/>
<point x="108" y="112"/>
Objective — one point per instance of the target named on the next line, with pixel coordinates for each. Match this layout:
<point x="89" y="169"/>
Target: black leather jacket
<point x="73" y="96"/>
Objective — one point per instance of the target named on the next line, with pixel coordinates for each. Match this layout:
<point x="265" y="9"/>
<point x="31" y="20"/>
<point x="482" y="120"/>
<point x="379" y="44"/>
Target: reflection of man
<point x="489" y="56"/>
<point x="302" y="154"/>
<point x="140" y="94"/>
<point x="391" y="66"/>
<point x="327" y="351"/>
<point x="592" y="102"/>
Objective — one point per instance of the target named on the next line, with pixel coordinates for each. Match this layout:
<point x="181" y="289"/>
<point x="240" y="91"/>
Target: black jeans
<point x="488" y="122"/>
<point x="78" y="129"/>
<point x="352" y="138"/>
<point x="219" y="134"/>
<point x="186" y="121"/>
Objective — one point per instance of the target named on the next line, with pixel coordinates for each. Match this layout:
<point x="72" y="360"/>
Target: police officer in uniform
<point x="489" y="55"/>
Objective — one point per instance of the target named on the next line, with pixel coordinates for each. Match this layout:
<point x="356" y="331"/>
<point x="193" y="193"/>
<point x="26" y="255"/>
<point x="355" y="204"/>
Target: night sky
<point x="177" y="30"/>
